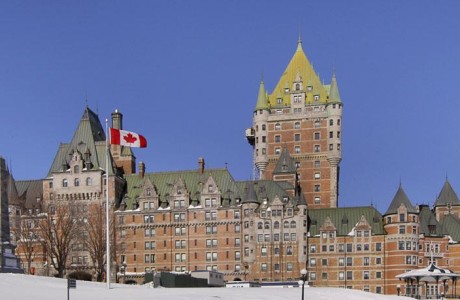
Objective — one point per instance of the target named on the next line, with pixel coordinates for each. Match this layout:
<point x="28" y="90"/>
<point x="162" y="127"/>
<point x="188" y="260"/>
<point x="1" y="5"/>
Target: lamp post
<point x="303" y="278"/>
<point x="398" y="288"/>
<point x="123" y="271"/>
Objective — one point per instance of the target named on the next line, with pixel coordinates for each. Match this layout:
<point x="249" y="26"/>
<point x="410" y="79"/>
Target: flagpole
<point x="107" y="276"/>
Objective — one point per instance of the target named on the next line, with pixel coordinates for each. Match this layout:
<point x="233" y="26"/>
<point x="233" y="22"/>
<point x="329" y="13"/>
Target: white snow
<point x="16" y="286"/>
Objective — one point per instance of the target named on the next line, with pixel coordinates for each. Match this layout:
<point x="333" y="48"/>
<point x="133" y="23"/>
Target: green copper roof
<point x="400" y="198"/>
<point x="334" y="91"/>
<point x="262" y="102"/>
<point x="29" y="191"/>
<point x="447" y="195"/>
<point x="344" y="219"/>
<point x="88" y="136"/>
<point x="451" y="225"/>
<point x="265" y="189"/>
<point x="429" y="226"/>
<point x="285" y="164"/>
<point x="192" y="180"/>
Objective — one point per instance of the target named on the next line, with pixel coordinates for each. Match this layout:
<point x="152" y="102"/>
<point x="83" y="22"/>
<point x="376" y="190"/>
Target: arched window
<point x="267" y="225"/>
<point x="89" y="181"/>
<point x="259" y="225"/>
<point x="76" y="169"/>
<point x="276" y="225"/>
<point x="293" y="225"/>
<point x="76" y="182"/>
<point x="297" y="86"/>
<point x="277" y="126"/>
<point x="297" y="125"/>
<point x="65" y="183"/>
<point x="286" y="224"/>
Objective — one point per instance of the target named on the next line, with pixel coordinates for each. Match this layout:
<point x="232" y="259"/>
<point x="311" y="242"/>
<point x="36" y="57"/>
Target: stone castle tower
<point x="303" y="117"/>
<point x="9" y="263"/>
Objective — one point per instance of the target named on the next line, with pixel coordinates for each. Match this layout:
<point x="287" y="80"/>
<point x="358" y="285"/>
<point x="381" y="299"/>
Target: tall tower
<point x="305" y="117"/>
<point x="9" y="263"/>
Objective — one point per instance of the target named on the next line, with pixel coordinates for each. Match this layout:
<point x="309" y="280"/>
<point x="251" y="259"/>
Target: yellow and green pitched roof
<point x="299" y="65"/>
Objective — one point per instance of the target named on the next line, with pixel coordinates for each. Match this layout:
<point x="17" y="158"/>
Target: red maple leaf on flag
<point x="129" y="138"/>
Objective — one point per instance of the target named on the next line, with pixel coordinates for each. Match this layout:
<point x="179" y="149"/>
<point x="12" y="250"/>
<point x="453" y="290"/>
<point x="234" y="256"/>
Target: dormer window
<point x="316" y="97"/>
<point x="310" y="88"/>
<point x="286" y="90"/>
<point x="210" y="188"/>
<point x="279" y="100"/>
<point x="297" y="86"/>
<point x="76" y="169"/>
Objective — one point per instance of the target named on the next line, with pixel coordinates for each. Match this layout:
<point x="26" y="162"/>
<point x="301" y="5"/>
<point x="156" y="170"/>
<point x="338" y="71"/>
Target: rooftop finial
<point x="299" y="43"/>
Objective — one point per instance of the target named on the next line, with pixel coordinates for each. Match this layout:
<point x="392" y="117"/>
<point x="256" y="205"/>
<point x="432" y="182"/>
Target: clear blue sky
<point x="185" y="74"/>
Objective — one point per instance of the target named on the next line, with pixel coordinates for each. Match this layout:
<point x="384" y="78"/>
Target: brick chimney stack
<point x="141" y="167"/>
<point x="200" y="165"/>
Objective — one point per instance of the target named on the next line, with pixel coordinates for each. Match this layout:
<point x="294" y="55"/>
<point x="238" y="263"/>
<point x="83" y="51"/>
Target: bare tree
<point x="27" y="240"/>
<point x="59" y="229"/>
<point x="95" y="239"/>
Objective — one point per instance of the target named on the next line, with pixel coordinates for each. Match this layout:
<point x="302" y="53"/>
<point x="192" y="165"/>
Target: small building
<point x="215" y="279"/>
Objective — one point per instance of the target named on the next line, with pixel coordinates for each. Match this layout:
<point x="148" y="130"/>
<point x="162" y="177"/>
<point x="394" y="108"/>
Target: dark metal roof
<point x="400" y="198"/>
<point x="345" y="219"/>
<point x="429" y="226"/>
<point x="285" y="164"/>
<point x="89" y="136"/>
<point x="447" y="195"/>
<point x="193" y="180"/>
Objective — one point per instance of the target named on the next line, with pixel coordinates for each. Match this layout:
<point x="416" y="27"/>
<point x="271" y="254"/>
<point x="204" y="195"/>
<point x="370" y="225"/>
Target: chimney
<point x="117" y="119"/>
<point x="200" y="165"/>
<point x="141" y="167"/>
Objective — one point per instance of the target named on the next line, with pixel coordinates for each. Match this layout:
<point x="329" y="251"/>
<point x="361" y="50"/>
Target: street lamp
<point x="303" y="278"/>
<point x="398" y="288"/>
<point x="123" y="271"/>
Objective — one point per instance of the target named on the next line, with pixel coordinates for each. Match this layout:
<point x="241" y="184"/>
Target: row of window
<point x="276" y="225"/>
<point x="276" y="237"/>
<point x="348" y="261"/>
<point x="347" y="247"/>
<point x="76" y="182"/>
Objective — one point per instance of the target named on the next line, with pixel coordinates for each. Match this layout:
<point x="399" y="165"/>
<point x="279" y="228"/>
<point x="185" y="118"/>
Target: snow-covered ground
<point x="14" y="286"/>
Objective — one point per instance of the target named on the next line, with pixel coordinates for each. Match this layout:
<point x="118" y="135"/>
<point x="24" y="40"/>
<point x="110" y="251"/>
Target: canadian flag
<point x="127" y="138"/>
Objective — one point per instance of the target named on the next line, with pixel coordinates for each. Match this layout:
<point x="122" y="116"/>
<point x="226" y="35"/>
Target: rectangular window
<point x="349" y="261"/>
<point x="297" y="137"/>
<point x="312" y="262"/>
<point x="366" y="261"/>
<point x="341" y="261"/>
<point x="341" y="275"/>
<point x="317" y="136"/>
<point x="402" y="229"/>
<point x="317" y="148"/>
<point x="349" y="275"/>
<point x="277" y="138"/>
<point x="378" y="246"/>
<point x="263" y="267"/>
<point x="349" y="248"/>
<point x="317" y="163"/>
